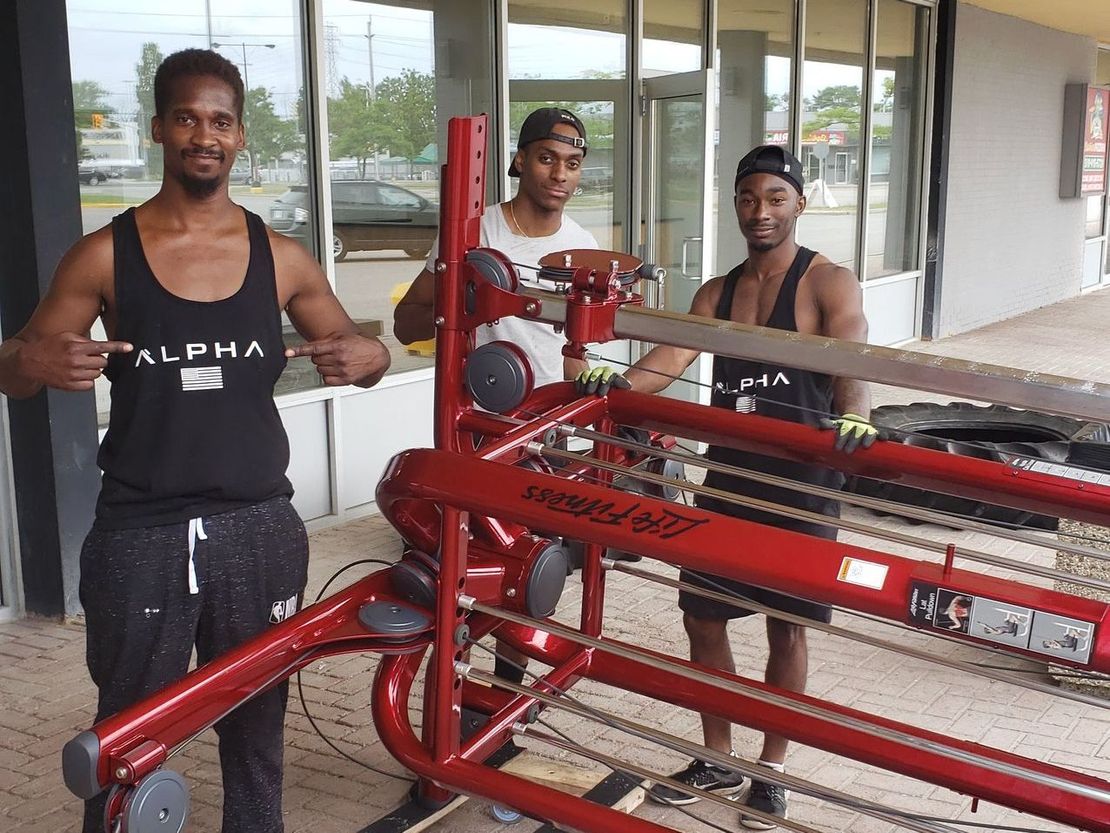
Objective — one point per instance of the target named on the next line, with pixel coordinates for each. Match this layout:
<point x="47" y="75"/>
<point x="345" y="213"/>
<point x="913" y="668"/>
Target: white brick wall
<point x="1011" y="244"/>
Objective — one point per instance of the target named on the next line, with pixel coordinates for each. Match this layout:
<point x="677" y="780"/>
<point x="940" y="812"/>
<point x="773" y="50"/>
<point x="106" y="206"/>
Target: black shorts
<point x="702" y="608"/>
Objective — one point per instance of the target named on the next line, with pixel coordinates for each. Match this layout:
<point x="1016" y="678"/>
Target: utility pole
<point x="373" y="94"/>
<point x="370" y="50"/>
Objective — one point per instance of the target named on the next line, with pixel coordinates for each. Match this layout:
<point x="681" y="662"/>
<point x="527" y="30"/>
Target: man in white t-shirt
<point x="548" y="161"/>
<point x="532" y="224"/>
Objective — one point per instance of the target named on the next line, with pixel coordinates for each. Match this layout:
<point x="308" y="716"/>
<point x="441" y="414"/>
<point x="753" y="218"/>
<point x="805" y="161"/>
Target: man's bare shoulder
<point x="707" y="297"/>
<point x="825" y="276"/>
<point x="91" y="260"/>
<point x="286" y="248"/>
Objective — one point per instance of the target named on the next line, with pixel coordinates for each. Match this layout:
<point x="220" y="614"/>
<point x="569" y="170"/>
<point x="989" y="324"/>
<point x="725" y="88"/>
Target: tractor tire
<point x="988" y="432"/>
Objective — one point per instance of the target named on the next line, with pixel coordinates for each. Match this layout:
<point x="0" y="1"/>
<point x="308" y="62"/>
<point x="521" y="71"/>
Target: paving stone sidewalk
<point x="46" y="697"/>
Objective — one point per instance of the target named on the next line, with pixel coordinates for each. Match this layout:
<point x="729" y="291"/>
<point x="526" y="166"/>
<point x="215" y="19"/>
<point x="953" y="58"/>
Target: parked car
<point x="596" y="179"/>
<point x="367" y="215"/>
<point x="87" y="175"/>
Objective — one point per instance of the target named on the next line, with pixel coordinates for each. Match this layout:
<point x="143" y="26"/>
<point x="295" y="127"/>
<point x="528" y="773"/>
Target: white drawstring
<point x="196" y="530"/>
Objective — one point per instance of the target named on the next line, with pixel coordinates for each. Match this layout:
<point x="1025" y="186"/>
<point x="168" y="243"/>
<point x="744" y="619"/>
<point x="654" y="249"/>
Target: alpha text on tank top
<point x="193" y="430"/>
<point x="776" y="391"/>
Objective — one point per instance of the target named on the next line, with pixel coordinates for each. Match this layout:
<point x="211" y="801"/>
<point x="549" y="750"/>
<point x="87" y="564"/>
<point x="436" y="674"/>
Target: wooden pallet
<point x="609" y="789"/>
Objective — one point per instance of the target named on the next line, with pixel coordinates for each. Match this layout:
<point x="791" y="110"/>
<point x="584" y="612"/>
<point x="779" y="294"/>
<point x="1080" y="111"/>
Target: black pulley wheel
<point x="499" y="376"/>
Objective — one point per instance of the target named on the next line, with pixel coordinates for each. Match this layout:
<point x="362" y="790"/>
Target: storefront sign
<point x="1095" y="127"/>
<point x="816" y="137"/>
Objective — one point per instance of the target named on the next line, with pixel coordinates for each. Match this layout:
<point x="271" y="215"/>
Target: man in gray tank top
<point x="785" y="286"/>
<point x="195" y="540"/>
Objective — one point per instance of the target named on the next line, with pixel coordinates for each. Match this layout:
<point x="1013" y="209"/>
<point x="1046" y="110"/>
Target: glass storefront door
<point x="675" y="199"/>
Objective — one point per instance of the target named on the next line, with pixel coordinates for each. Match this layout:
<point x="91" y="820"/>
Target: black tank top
<point x="194" y="430"/>
<point x="775" y="391"/>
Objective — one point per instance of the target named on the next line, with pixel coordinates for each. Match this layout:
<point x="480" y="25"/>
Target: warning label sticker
<point x="863" y="573"/>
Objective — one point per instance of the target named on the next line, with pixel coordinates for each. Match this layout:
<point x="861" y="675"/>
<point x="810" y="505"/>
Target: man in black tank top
<point x="785" y="286"/>
<point x="195" y="541"/>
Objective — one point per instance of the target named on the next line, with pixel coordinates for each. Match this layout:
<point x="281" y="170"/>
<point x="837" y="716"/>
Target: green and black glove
<point x="598" y="380"/>
<point x="852" y="432"/>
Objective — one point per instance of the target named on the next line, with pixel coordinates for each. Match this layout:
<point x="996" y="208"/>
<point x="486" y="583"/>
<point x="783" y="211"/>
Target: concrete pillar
<point x="53" y="435"/>
<point x="742" y="123"/>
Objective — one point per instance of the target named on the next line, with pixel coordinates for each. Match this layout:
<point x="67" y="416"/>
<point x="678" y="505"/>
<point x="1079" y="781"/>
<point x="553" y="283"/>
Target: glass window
<point x="588" y="38"/>
<point x="832" y="110"/>
<point x="590" y="80"/>
<point x="755" y="42"/>
<point x="115" y="48"/>
<point x="897" y="139"/>
<point x="673" y="36"/>
<point x="1102" y="79"/>
<point x="388" y="195"/>
<point x="1093" y="225"/>
<point x="395" y="74"/>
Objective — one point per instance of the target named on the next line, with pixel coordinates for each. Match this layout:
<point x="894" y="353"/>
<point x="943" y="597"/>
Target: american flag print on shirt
<point x="202" y="378"/>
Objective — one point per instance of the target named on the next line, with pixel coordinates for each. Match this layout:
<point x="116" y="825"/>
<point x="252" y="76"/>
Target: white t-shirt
<point x="540" y="342"/>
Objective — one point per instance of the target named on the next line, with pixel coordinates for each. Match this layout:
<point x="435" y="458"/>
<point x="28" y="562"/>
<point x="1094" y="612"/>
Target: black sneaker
<point x="699" y="775"/>
<point x="767" y="798"/>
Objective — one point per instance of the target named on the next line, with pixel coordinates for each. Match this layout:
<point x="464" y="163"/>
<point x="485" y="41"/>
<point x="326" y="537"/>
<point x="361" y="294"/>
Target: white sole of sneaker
<point x="752" y="823"/>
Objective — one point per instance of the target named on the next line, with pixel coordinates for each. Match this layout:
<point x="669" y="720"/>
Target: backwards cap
<point x="771" y="159"/>
<point x="540" y="124"/>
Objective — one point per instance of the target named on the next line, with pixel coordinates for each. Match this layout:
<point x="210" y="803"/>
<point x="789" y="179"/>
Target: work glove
<point x="598" y="380"/>
<point x="852" y="432"/>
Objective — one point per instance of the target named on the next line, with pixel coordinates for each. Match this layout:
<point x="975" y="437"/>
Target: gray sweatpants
<point x="151" y="594"/>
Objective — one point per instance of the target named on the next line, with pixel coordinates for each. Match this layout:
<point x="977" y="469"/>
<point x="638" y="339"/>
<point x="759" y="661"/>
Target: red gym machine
<point x="488" y="515"/>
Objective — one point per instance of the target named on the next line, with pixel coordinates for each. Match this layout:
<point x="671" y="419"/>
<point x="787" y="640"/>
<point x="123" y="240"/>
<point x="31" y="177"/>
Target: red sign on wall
<point x="1095" y="128"/>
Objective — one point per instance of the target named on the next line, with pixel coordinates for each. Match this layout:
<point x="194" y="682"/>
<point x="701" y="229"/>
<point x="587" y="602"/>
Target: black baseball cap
<point x="771" y="159"/>
<point x="540" y="124"/>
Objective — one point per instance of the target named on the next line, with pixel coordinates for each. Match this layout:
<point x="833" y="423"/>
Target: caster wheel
<point x="505" y="815"/>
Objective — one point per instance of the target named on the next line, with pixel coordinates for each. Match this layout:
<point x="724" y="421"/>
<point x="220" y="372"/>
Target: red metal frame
<point x="476" y="508"/>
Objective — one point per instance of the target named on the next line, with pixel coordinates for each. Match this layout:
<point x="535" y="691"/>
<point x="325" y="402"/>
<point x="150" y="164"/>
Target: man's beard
<point x="762" y="245"/>
<point x="197" y="187"/>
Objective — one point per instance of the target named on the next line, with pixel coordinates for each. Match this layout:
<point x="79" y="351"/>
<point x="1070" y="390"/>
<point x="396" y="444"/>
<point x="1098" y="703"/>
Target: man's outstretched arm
<point x="53" y="349"/>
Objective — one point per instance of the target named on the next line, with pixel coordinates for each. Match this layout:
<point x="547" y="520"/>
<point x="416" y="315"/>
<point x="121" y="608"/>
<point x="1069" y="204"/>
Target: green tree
<point x="149" y="59"/>
<point x="774" y="101"/>
<point x="354" y="125"/>
<point x="88" y="100"/>
<point x="405" y="107"/>
<point x="839" y="96"/>
<point x="836" y="105"/>
<point x="886" y="102"/>
<point x="268" y="135"/>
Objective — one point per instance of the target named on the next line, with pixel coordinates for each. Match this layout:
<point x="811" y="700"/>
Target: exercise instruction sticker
<point x="863" y="573"/>
<point x="936" y="607"/>
<point x="1007" y="624"/>
<point x="1001" y="622"/>
<point x="1061" y="636"/>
